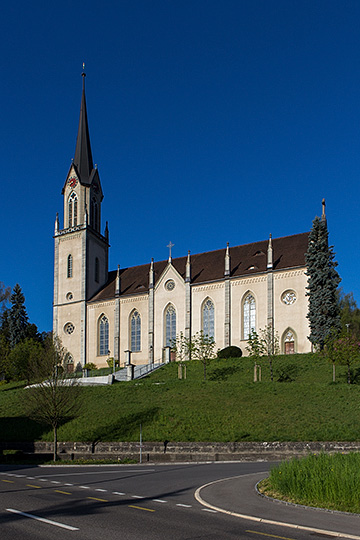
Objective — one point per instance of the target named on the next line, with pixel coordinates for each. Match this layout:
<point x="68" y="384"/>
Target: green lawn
<point x="228" y="406"/>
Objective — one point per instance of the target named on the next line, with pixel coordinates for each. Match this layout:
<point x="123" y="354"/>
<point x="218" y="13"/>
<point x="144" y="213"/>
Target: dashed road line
<point x="43" y="520"/>
<point x="101" y="490"/>
<point x="118" y="493"/>
<point x="159" y="500"/>
<point x="96" y="499"/>
<point x="33" y="486"/>
<point x="209" y="510"/>
<point x="184" y="505"/>
<point x="8" y="481"/>
<point x="141" y="508"/>
<point x="63" y="492"/>
<point x="54" y="482"/>
<point x="137" y="497"/>
<point x="84" y="487"/>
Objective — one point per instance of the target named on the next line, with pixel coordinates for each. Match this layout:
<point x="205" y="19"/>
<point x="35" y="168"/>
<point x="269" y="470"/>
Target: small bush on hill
<point x="230" y="352"/>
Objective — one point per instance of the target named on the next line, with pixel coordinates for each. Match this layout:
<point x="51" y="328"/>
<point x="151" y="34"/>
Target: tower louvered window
<point x="72" y="210"/>
<point x="69" y="266"/>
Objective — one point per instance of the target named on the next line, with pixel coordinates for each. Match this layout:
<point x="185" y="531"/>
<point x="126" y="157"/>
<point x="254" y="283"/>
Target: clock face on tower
<point x="72" y="181"/>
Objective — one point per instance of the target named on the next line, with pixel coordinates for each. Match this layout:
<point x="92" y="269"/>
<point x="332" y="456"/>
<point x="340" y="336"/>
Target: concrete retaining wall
<point x="186" y="451"/>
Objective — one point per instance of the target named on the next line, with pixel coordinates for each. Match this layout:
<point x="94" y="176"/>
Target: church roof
<point x="246" y="260"/>
<point x="83" y="160"/>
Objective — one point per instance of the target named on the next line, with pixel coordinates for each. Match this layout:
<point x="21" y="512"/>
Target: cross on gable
<point x="170" y="245"/>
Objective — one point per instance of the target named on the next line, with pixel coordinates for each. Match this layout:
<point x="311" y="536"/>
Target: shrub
<point x="230" y="352"/>
<point x="90" y="365"/>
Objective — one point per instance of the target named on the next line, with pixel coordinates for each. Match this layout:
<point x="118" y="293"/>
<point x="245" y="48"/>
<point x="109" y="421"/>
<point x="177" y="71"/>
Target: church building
<point x="224" y="293"/>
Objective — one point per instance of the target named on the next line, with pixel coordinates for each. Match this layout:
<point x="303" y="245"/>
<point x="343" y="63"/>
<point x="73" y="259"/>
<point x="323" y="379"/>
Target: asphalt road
<point x="132" y="502"/>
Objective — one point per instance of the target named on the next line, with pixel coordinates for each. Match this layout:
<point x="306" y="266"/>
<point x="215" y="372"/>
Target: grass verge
<point x="322" y="480"/>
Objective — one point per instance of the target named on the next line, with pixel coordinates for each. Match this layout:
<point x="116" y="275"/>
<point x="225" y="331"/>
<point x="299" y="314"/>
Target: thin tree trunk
<point x="204" y="370"/>
<point x="55" y="443"/>
<point x="271" y="369"/>
<point x="333" y="371"/>
<point x="349" y="378"/>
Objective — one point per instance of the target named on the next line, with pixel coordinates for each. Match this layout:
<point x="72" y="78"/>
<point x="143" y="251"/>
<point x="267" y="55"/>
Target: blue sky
<point x="210" y="122"/>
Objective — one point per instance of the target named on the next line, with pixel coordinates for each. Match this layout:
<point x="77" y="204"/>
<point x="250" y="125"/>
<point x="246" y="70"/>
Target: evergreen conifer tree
<point x="323" y="280"/>
<point x="17" y="317"/>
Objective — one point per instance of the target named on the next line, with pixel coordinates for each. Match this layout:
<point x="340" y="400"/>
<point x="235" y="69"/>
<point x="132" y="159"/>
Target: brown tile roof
<point x="249" y="259"/>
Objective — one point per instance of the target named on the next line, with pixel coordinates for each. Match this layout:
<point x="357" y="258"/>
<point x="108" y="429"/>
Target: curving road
<point x="153" y="502"/>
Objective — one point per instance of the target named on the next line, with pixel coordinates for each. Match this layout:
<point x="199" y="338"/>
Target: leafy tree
<point x="202" y="348"/>
<point x="181" y="346"/>
<point x="323" y="280"/>
<point x="349" y="313"/>
<point x="4" y="296"/>
<point x="266" y="343"/>
<point x="343" y="350"/>
<point x="55" y="399"/>
<point x="18" y="319"/>
<point x="24" y="359"/>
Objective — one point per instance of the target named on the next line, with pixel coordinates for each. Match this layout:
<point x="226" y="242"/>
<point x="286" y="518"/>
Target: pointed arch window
<point x="97" y="270"/>
<point x="289" y="340"/>
<point x="135" y="331"/>
<point x="103" y="335"/>
<point x="208" y="318"/>
<point x="69" y="266"/>
<point x="170" y="326"/>
<point x="249" y="315"/>
<point x="72" y="209"/>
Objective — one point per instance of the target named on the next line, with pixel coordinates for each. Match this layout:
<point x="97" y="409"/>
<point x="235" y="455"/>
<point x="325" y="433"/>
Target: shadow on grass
<point x="222" y="373"/>
<point x="120" y="429"/>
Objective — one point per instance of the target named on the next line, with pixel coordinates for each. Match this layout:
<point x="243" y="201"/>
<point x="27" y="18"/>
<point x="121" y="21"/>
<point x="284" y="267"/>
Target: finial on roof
<point x="151" y="274"/>
<point x="227" y="260"/>
<point x="117" y="281"/>
<point x="270" y="254"/>
<point x="188" y="269"/>
<point x="323" y="216"/>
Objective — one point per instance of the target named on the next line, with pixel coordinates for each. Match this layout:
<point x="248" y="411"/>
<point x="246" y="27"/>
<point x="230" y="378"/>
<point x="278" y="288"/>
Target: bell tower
<point x="81" y="251"/>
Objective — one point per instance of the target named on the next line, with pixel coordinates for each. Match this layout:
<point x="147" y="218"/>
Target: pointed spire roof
<point x="83" y="160"/>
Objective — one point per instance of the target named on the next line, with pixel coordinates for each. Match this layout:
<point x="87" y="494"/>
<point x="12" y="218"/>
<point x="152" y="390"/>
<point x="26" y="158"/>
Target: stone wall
<point x="186" y="451"/>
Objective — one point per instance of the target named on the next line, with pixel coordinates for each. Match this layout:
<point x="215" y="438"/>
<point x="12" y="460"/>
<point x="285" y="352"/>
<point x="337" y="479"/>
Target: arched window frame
<point x="135" y="331"/>
<point x="285" y="339"/>
<point x="70" y="266"/>
<point x="72" y="209"/>
<point x="103" y="334"/>
<point x="94" y="214"/>
<point x="208" y="317"/>
<point x="170" y="325"/>
<point x="248" y="314"/>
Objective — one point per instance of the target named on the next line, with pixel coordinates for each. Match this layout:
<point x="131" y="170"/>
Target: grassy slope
<point x="227" y="407"/>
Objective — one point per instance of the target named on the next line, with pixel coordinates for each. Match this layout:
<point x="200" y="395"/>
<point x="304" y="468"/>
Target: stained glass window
<point x="103" y="335"/>
<point x="208" y="318"/>
<point x="249" y="315"/>
<point x="135" y="332"/>
<point x="170" y="323"/>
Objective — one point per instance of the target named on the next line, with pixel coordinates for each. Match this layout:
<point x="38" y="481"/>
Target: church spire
<point x="83" y="156"/>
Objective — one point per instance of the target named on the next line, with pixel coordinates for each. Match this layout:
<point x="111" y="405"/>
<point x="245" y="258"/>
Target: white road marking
<point x="209" y="510"/>
<point x="54" y="482"/>
<point x="68" y="484"/>
<point x="30" y="477"/>
<point x="159" y="500"/>
<point x="41" y="480"/>
<point x="137" y="496"/>
<point x="102" y="490"/>
<point x="43" y="520"/>
<point x="184" y="505"/>
<point x="122" y="471"/>
<point x="117" y="493"/>
<point x="84" y="487"/>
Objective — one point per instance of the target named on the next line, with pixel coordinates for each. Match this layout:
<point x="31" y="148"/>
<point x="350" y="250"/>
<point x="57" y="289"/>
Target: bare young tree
<point x="54" y="398"/>
<point x="202" y="348"/>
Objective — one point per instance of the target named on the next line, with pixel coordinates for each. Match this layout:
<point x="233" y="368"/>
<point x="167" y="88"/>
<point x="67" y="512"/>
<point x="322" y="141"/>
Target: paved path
<point x="237" y="496"/>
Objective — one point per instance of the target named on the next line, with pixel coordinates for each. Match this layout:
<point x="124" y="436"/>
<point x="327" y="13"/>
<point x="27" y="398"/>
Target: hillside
<point x="228" y="406"/>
